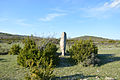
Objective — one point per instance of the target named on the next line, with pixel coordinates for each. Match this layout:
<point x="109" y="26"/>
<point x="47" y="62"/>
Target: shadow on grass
<point x="3" y="60"/>
<point x="74" y="77"/>
<point x="66" y="54"/>
<point x="107" y="58"/>
<point x="4" y="53"/>
<point x="65" y="61"/>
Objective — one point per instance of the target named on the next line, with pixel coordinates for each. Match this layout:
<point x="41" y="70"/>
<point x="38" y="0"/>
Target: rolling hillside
<point x="94" y="38"/>
<point x="6" y="36"/>
<point x="9" y="36"/>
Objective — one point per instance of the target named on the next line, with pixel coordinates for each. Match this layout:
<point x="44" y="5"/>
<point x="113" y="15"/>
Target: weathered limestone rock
<point x="63" y="43"/>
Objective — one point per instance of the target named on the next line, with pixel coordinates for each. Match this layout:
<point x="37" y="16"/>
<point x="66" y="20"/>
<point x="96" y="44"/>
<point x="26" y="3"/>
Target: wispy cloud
<point x="22" y="22"/>
<point x="114" y="4"/>
<point x="108" y="5"/>
<point x="104" y="10"/>
<point x="50" y="17"/>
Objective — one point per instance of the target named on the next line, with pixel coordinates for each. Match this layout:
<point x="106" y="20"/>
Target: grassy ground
<point x="9" y="70"/>
<point x="110" y="67"/>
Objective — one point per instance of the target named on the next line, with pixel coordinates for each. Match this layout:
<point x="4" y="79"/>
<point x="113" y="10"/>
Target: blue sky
<point x="52" y="17"/>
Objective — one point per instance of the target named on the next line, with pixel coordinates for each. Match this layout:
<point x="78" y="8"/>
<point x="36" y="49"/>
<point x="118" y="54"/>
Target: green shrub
<point x="28" y="52"/>
<point x="49" y="52"/>
<point x="93" y="60"/>
<point x="42" y="72"/>
<point x="40" y="60"/>
<point x="31" y="52"/>
<point x="82" y="51"/>
<point x="9" y="42"/>
<point x="15" y="49"/>
<point x="102" y="42"/>
<point x="111" y="41"/>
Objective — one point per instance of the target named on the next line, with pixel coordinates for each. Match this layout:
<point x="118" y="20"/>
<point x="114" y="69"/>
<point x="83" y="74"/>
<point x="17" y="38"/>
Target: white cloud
<point x="115" y="4"/>
<point x="22" y="22"/>
<point x="104" y="11"/>
<point x="108" y="5"/>
<point x="50" y="17"/>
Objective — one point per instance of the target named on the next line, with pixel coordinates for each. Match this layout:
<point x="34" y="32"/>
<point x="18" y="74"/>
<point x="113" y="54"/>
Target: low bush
<point x="93" y="60"/>
<point x="82" y="52"/>
<point x="9" y="41"/>
<point x="15" y="49"/>
<point x="112" y="41"/>
<point x="41" y="72"/>
<point x="40" y="60"/>
<point x="32" y="52"/>
<point x="49" y="52"/>
<point x="28" y="52"/>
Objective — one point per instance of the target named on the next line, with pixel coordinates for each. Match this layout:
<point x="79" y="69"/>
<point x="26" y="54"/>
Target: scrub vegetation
<point x="40" y="59"/>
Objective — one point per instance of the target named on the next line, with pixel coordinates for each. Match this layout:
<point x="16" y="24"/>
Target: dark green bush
<point x="82" y="51"/>
<point x="9" y="42"/>
<point x="40" y="60"/>
<point x="112" y="41"/>
<point x="93" y="60"/>
<point x="31" y="52"/>
<point x="49" y="52"/>
<point x="41" y="72"/>
<point x="15" y="49"/>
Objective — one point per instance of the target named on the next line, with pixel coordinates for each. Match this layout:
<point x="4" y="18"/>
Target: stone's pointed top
<point x="63" y="33"/>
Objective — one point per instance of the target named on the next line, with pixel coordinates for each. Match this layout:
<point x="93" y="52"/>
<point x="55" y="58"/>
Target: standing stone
<point x="63" y="43"/>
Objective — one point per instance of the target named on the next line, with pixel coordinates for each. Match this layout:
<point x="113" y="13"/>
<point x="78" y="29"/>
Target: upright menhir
<point x="63" y="43"/>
